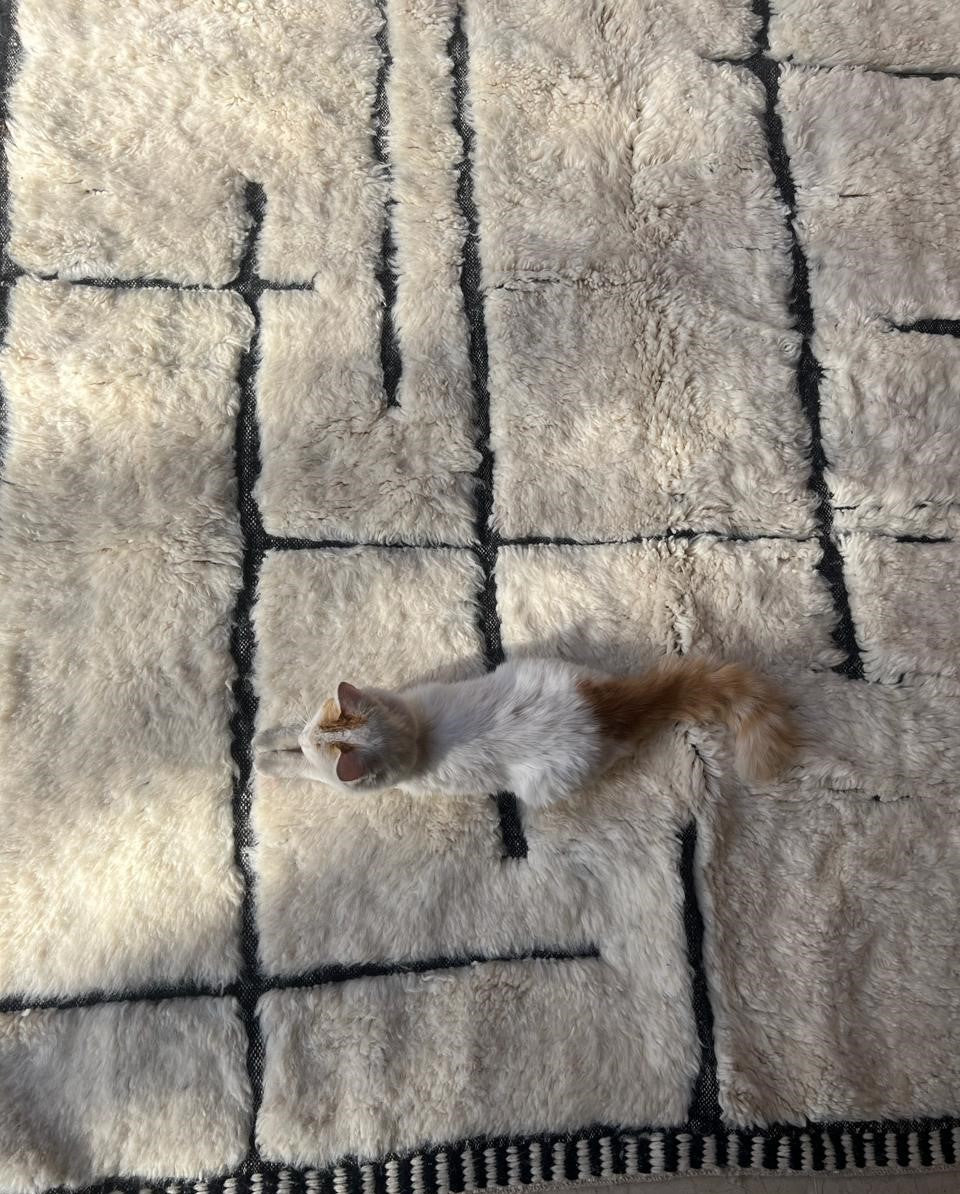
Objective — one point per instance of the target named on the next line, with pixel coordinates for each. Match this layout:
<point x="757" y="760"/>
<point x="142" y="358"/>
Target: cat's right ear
<point x="350" y="766"/>
<point x="349" y="699"/>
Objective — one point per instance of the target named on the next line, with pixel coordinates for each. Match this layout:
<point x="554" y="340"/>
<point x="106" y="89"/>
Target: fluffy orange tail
<point x="690" y="689"/>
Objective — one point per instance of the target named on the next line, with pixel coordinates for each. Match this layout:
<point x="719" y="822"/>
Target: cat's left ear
<point x="350" y="766"/>
<point x="349" y="699"/>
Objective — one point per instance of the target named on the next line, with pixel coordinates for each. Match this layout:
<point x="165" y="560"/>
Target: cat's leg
<point x="285" y="738"/>
<point x="288" y="763"/>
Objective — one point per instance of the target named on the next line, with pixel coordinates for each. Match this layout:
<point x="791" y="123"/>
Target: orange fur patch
<point x="629" y="708"/>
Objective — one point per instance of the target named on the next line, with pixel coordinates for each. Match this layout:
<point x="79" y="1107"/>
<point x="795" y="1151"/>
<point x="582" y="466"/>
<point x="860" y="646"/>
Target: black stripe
<point x="523" y="1163"/>
<point x="546" y="1158"/>
<point x="704" y="1112"/>
<point x="643" y="1154"/>
<point x="571" y="1164"/>
<point x="429" y="1169"/>
<point x="403" y="1175"/>
<point x="320" y="976"/>
<point x="242" y="647"/>
<point x="391" y="363"/>
<point x="834" y="1133"/>
<point x="511" y="825"/>
<point x="934" y="76"/>
<point x="671" y="1152"/>
<point x="341" y="973"/>
<point x="478" y="1164"/>
<point x="380" y="1179"/>
<point x="929" y="327"/>
<point x="152" y="994"/>
<point x="455" y="1169"/>
<point x="256" y="285"/>
<point x="809" y="372"/>
<point x="290" y="543"/>
<point x="501" y="1169"/>
<point x="770" y="1152"/>
<point x="351" y="1171"/>
<point x="594" y="1158"/>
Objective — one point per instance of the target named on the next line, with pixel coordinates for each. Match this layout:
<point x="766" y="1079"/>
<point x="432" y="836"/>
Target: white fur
<point x="635" y="284"/>
<point x="154" y="1088"/>
<point x="921" y="35"/>
<point x="868" y="155"/>
<point x="522" y="728"/>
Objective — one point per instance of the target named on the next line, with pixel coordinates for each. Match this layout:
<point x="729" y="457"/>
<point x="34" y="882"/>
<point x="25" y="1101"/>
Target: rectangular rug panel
<point x="153" y="1088"/>
<point x="119" y="564"/>
<point x="921" y="35"/>
<point x="834" y="957"/>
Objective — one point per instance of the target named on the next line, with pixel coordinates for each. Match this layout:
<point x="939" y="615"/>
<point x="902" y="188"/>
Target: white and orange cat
<point x="539" y="728"/>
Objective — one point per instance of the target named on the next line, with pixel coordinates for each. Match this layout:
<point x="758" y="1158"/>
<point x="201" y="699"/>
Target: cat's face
<point x="360" y="740"/>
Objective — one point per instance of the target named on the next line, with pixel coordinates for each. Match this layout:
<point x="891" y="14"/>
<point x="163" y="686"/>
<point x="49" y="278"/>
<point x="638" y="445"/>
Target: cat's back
<point x="536" y="700"/>
<point x="522" y="727"/>
<point x="517" y="693"/>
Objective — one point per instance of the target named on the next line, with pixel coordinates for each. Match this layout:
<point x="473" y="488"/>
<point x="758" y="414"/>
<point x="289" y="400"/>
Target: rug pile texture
<point x="378" y="342"/>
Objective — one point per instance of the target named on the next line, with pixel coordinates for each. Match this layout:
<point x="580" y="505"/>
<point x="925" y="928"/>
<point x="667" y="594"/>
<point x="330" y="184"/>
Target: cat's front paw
<point x="277" y="752"/>
<point x="284" y="738"/>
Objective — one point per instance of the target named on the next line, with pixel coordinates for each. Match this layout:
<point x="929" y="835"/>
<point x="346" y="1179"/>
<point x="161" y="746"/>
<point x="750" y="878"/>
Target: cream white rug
<point x="377" y="342"/>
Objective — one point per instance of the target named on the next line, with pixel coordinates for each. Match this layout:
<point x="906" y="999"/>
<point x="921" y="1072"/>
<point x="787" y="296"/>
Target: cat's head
<point x="362" y="741"/>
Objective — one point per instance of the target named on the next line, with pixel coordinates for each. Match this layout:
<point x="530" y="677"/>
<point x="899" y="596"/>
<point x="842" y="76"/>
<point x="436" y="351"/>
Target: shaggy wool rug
<point x="366" y="341"/>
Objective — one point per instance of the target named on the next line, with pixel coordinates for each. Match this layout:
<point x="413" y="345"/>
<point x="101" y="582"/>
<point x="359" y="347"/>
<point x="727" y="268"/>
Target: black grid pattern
<point x="598" y="1151"/>
<point x="511" y="826"/>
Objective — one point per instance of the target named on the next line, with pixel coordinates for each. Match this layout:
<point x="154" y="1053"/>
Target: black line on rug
<point x="928" y="327"/>
<point x="152" y="994"/>
<point x="243" y="647"/>
<point x="319" y="976"/>
<point x="933" y="76"/>
<point x="809" y="371"/>
<point x="293" y="543"/>
<point x="256" y="288"/>
<point x="704" y="1112"/>
<point x="9" y="55"/>
<point x="391" y="362"/>
<point x="347" y="972"/>
<point x="511" y="824"/>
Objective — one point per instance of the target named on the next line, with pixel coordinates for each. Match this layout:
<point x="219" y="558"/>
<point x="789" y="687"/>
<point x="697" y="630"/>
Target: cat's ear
<point x="350" y="766"/>
<point x="349" y="699"/>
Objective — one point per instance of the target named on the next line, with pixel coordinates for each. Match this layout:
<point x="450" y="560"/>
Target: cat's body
<point x="540" y="728"/>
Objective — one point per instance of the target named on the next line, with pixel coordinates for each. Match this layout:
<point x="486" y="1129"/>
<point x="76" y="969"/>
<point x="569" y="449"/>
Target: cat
<point x="539" y="728"/>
